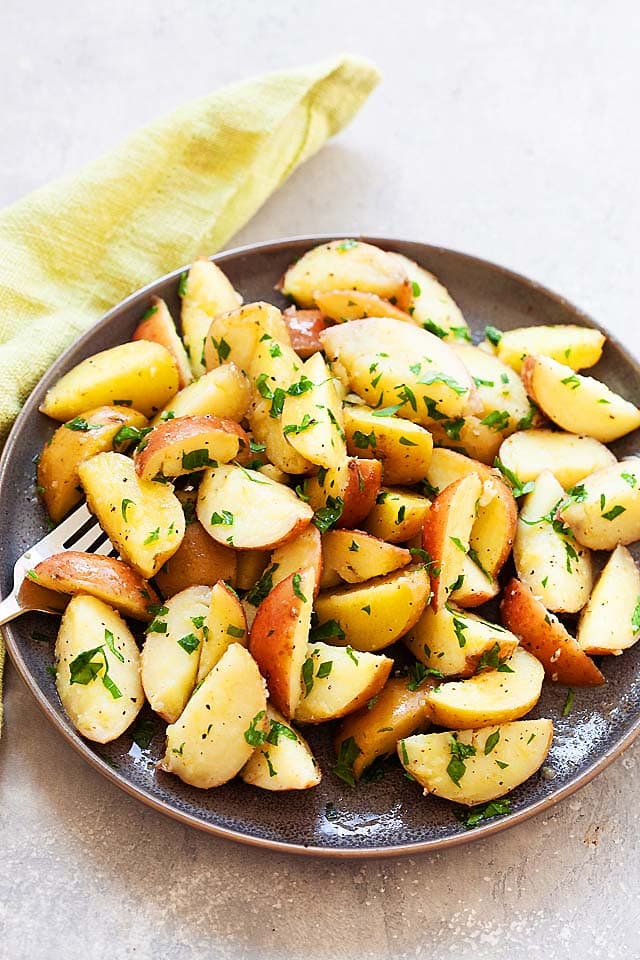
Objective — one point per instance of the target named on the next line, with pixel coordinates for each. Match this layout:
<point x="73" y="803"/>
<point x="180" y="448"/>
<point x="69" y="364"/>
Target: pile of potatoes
<point x="291" y="494"/>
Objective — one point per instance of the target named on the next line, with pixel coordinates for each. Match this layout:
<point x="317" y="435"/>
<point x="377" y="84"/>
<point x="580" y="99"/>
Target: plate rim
<point x="227" y="833"/>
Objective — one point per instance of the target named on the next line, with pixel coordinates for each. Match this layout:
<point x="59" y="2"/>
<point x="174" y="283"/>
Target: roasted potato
<point x="233" y="337"/>
<point x="97" y="670"/>
<point x="432" y="306"/>
<point x="305" y="550"/>
<point x="157" y="325"/>
<point x="144" y="520"/>
<point x="206" y="293"/>
<point x="142" y="375"/>
<point x="284" y="761"/>
<point x="577" y="347"/>
<point x="82" y="438"/>
<point x="475" y="586"/>
<point x="343" y="305"/>
<point x="501" y="394"/>
<point x="446" y="534"/>
<point x="214" y="736"/>
<point x="542" y="634"/>
<point x="223" y="392"/>
<point x="180" y="446"/>
<point x="225" y="624"/>
<point x="353" y="557"/>
<point x="569" y="458"/>
<point x="312" y="420"/>
<point x="610" y="622"/>
<point x="403" y="447"/>
<point x="398" y="515"/>
<point x="578" y="404"/>
<point x="462" y="766"/>
<point x="338" y="681"/>
<point x="605" y="508"/>
<point x="304" y="328"/>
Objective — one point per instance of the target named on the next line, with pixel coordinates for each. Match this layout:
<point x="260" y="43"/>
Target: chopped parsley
<point x="459" y="753"/>
<point x="348" y="753"/>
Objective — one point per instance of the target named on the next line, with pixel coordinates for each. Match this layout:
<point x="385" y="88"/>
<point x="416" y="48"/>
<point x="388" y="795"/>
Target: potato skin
<point x="58" y="478"/>
<point x="449" y="524"/>
<point x="609" y="512"/>
<point x="305" y="327"/>
<point x="106" y="578"/>
<point x="223" y="392"/>
<point x="198" y="560"/>
<point x="160" y="454"/>
<point x="363" y="486"/>
<point x="396" y="712"/>
<point x="157" y="325"/>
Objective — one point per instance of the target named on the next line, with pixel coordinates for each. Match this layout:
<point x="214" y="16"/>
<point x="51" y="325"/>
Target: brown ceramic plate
<point x="390" y="816"/>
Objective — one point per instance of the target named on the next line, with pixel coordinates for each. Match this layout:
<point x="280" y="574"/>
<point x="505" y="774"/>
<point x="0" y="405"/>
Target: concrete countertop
<point x="505" y="129"/>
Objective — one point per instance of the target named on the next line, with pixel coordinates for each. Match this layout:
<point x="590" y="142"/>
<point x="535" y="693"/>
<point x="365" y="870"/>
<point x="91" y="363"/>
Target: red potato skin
<point x="526" y="374"/>
<point x="524" y="615"/>
<point x="108" y="579"/>
<point x="434" y="535"/>
<point x="272" y="640"/>
<point x="310" y="554"/>
<point x="178" y="430"/>
<point x="305" y="327"/>
<point x="363" y="486"/>
<point x="158" y="329"/>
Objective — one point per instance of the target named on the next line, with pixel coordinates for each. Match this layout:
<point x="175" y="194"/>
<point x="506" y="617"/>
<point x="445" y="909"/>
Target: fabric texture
<point x="177" y="189"/>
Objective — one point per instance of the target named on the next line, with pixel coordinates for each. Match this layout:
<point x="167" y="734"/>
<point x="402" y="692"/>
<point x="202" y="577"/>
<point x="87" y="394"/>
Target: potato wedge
<point x="312" y="420"/>
<point x="490" y="768"/>
<point x="144" y="520"/>
<point x="97" y="670"/>
<point x="403" y="447"/>
<point x="542" y="634"/>
<point x="225" y="623"/>
<point x="142" y="375"/>
<point x="374" y="730"/>
<point x="284" y="761"/>
<point x="475" y="588"/>
<point x="375" y="614"/>
<point x="360" y="496"/>
<point x="304" y="327"/>
<point x="305" y="550"/>
<point x="606" y="508"/>
<point x="468" y="436"/>
<point x="457" y="643"/>
<point x="569" y="458"/>
<point x="353" y="557"/>
<point x="249" y="511"/>
<point x="110" y="580"/>
<point x="278" y="638"/>
<point x="157" y="325"/>
<point x="184" y="444"/>
<point x="547" y="557"/>
<point x="395" y="365"/>
<point x="500" y="391"/>
<point x="432" y="306"/>
<point x="446" y="534"/>
<point x="212" y="740"/>
<point x="398" y="515"/>
<point x="577" y="347"/>
<point x="578" y="404"/>
<point x="223" y="392"/>
<point x="234" y="336"/>
<point x="207" y="293"/>
<point x="171" y="653"/>
<point x="610" y="622"/>
<point x="82" y="438"/>
<point x="491" y="697"/>
<point x="338" y="681"/>
<point x="251" y="566"/>
<point x="346" y="265"/>
<point x="343" y="305"/>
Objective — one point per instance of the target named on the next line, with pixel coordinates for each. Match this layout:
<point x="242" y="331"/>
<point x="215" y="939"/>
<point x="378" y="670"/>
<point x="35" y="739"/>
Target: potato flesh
<point x="522" y="747"/>
<point x="233" y="337"/>
<point x="577" y="347"/>
<point x="206" y="746"/>
<point x="354" y="556"/>
<point x="354" y="678"/>
<point x="468" y="436"/>
<point x="500" y="391"/>
<point x="168" y="668"/>
<point x="305" y="550"/>
<point x="146" y="530"/>
<point x="398" y="356"/>
<point x="576" y="403"/>
<point x="404" y="447"/>
<point x="287" y="764"/>
<point x="375" y="614"/>
<point x="343" y="305"/>
<point x="223" y="392"/>
<point x="247" y="510"/>
<point x="476" y="587"/>
<point x="446" y="533"/>
<point x="157" y="325"/>
<point x="60" y="457"/>
<point x="398" y="515"/>
<point x="609" y="511"/>
<point x="312" y="421"/>
<point x="344" y="265"/>
<point x="225" y="624"/>
<point x="91" y="707"/>
<point x="436" y="640"/>
<point x="180" y="446"/>
<point x="494" y="528"/>
<point x="207" y="293"/>
<point x="609" y="621"/>
<point x="432" y="305"/>
<point x="553" y="564"/>
<point x="489" y="698"/>
<point x="570" y="458"/>
<point x="142" y="375"/>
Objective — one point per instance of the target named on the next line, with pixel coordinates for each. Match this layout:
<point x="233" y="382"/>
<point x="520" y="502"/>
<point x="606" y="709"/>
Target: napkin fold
<point x="177" y="189"/>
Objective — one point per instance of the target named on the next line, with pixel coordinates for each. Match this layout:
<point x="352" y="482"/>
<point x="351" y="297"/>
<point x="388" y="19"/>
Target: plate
<point x="388" y="817"/>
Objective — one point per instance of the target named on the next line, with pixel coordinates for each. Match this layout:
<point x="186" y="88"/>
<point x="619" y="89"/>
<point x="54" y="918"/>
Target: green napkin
<point x="177" y="189"/>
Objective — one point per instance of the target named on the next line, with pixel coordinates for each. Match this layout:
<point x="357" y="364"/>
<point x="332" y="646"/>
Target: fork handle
<point x="10" y="608"/>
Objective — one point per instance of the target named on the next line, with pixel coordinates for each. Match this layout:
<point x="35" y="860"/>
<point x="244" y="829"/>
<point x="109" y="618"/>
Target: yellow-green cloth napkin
<point x="178" y="188"/>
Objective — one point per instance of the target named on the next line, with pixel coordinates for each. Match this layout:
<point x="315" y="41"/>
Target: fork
<point x="79" y="531"/>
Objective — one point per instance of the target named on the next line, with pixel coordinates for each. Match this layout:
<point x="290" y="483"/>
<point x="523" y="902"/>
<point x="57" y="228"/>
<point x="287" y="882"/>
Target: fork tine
<point x="53" y="541"/>
<point x="105" y="548"/>
<point x="84" y="538"/>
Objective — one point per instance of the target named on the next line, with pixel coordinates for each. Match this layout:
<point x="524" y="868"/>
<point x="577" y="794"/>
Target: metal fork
<point x="79" y="531"/>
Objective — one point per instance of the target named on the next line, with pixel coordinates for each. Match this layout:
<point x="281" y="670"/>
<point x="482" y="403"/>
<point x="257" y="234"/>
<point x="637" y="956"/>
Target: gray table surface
<point x="504" y="128"/>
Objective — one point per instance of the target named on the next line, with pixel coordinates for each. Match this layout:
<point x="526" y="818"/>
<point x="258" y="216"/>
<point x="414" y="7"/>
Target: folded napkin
<point x="177" y="189"/>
